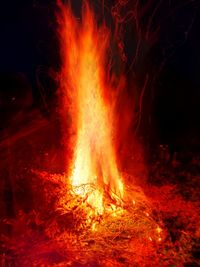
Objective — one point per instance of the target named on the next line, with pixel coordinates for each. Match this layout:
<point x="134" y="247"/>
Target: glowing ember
<point x="84" y="49"/>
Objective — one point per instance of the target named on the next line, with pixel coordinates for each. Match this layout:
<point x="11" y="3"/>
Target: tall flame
<point x="84" y="48"/>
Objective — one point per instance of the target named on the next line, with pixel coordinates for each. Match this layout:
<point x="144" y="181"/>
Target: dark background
<point x="169" y="55"/>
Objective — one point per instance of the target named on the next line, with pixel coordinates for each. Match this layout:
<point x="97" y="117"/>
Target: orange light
<point x="159" y="230"/>
<point x="85" y="93"/>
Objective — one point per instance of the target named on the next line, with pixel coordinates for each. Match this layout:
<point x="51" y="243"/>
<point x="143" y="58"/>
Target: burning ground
<point x="158" y="228"/>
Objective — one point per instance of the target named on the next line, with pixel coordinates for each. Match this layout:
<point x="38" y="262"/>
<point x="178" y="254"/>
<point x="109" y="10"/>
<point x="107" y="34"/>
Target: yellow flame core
<point x="94" y="161"/>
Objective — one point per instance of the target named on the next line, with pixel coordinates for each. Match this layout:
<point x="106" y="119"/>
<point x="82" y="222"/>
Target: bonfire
<point x="91" y="214"/>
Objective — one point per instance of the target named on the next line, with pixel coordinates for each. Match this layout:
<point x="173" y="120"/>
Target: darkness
<point x="178" y="89"/>
<point x="28" y="49"/>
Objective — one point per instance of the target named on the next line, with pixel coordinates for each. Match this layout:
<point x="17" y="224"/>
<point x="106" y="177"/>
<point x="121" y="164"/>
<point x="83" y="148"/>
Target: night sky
<point x="28" y="41"/>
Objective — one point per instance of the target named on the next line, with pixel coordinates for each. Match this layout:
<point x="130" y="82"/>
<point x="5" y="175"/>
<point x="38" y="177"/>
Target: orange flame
<point x="84" y="48"/>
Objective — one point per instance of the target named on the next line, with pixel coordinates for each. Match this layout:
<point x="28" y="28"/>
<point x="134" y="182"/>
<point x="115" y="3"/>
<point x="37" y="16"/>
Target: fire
<point x="85" y="89"/>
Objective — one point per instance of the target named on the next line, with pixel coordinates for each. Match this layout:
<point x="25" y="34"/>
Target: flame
<point x="84" y="49"/>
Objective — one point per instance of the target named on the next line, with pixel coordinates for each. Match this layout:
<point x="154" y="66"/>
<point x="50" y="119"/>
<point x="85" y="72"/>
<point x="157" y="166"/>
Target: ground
<point x="43" y="224"/>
